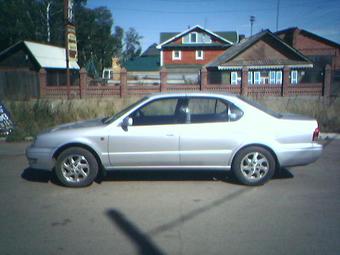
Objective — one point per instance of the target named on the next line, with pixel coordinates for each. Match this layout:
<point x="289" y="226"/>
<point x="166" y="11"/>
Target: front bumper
<point x="298" y="155"/>
<point x="40" y="158"/>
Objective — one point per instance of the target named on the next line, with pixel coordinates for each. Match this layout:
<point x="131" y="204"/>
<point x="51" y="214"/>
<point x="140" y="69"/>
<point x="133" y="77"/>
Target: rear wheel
<point x="253" y="166"/>
<point x="76" y="167"/>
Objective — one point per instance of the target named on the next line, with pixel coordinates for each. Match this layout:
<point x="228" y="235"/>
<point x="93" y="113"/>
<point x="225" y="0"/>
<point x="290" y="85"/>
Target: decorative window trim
<point x="250" y="77"/>
<point x="278" y="77"/>
<point x="174" y="57"/>
<point x="199" y="56"/>
<point x="272" y="77"/>
<point x="257" y="78"/>
<point x="294" y="77"/>
<point x="233" y="78"/>
<point x="196" y="35"/>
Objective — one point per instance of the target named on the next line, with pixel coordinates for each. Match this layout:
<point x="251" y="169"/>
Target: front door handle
<point x="170" y="135"/>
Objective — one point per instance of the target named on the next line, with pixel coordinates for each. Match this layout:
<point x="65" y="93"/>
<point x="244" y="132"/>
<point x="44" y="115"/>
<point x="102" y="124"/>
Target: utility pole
<point x="67" y="18"/>
<point x="277" y="15"/>
<point x="252" y="20"/>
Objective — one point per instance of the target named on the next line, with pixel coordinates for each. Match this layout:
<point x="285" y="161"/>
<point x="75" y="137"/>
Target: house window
<point x="272" y="77"/>
<point x="257" y="77"/>
<point x="234" y="78"/>
<point x="176" y="55"/>
<point x="193" y="37"/>
<point x="278" y="77"/>
<point x="199" y="54"/>
<point x="275" y="77"/>
<point x="250" y="77"/>
<point x="294" y="77"/>
<point x="196" y="37"/>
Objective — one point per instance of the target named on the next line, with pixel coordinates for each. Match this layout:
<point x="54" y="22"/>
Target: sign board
<point x="72" y="43"/>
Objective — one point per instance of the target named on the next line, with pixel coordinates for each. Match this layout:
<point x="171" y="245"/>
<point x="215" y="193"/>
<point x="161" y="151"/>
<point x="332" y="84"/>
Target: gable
<point x="261" y="49"/>
<point x="197" y="36"/>
<point x="266" y="49"/>
<point x="305" y="41"/>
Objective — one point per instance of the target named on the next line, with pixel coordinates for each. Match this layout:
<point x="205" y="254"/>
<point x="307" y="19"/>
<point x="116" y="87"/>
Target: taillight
<point x="316" y="134"/>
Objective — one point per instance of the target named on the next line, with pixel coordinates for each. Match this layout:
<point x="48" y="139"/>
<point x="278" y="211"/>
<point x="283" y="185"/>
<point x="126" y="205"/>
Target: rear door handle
<point x="170" y="135"/>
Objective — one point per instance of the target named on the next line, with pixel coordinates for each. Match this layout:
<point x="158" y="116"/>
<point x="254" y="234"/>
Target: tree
<point x="43" y="21"/>
<point x="118" y="42"/>
<point x="19" y="20"/>
<point x="132" y="44"/>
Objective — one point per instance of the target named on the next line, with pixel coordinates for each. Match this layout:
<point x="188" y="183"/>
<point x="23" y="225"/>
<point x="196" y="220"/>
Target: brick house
<point x="319" y="50"/>
<point x="266" y="59"/>
<point x="194" y="47"/>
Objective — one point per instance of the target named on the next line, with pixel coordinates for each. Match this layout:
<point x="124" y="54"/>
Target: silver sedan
<point x="179" y="131"/>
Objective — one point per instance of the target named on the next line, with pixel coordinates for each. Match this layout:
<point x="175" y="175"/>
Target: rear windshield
<point x="260" y="107"/>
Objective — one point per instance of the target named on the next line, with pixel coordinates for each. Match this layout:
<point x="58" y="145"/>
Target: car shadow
<point x="38" y="175"/>
<point x="283" y="173"/>
<point x="167" y="175"/>
<point x="44" y="176"/>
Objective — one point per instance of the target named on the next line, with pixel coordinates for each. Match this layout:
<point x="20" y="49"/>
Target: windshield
<point x="260" y="107"/>
<point x="109" y="120"/>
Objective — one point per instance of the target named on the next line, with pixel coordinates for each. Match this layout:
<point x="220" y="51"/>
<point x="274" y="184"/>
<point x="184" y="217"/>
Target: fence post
<point x="42" y="82"/>
<point x="204" y="79"/>
<point x="123" y="82"/>
<point x="244" y="81"/>
<point x="327" y="82"/>
<point x="82" y="82"/>
<point x="163" y="79"/>
<point x="286" y="82"/>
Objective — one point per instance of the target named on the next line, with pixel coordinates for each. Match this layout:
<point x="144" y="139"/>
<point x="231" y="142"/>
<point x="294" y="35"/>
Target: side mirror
<point x="126" y="122"/>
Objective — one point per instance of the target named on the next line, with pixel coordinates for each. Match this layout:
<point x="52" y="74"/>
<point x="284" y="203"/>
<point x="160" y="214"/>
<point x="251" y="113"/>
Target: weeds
<point x="32" y="117"/>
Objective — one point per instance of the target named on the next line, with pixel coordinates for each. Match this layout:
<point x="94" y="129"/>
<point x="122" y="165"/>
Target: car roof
<point x="189" y="94"/>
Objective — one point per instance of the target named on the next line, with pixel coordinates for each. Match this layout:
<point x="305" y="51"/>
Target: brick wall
<point x="89" y="88"/>
<point x="189" y="57"/>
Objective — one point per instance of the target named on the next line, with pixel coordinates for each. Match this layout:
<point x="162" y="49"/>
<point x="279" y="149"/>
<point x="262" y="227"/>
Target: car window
<point x="160" y="107"/>
<point x="204" y="110"/>
<point x="235" y="113"/>
<point x="158" y="112"/>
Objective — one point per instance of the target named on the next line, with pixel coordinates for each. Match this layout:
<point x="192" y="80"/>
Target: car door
<point x="211" y="135"/>
<point x="152" y="139"/>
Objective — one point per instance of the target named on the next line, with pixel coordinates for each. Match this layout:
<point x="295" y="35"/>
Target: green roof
<point x="228" y="35"/>
<point x="144" y="63"/>
<point x="167" y="35"/>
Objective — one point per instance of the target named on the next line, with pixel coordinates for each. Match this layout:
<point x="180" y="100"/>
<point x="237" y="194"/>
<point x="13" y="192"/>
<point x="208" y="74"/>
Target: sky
<point x="151" y="17"/>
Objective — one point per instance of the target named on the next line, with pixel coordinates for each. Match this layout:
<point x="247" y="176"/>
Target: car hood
<point x="79" y="124"/>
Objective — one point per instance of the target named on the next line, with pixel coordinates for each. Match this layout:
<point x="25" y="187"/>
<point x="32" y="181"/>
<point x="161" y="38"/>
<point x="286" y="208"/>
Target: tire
<point x="253" y="166"/>
<point x="76" y="167"/>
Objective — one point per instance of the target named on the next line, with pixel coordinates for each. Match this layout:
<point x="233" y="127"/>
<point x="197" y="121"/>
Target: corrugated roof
<point x="145" y="63"/>
<point x="49" y="56"/>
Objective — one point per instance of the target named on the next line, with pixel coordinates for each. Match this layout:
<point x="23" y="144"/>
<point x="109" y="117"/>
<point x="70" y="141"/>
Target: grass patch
<point x="33" y="116"/>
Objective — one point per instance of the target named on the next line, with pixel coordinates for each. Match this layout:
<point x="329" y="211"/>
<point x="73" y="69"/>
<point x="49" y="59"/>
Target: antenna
<point x="252" y="20"/>
<point x="277" y="14"/>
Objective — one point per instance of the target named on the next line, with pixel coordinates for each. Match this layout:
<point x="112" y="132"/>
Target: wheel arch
<point x="79" y="145"/>
<point x="277" y="163"/>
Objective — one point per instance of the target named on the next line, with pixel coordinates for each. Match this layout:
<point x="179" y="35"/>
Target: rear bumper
<point x="297" y="155"/>
<point x="40" y="158"/>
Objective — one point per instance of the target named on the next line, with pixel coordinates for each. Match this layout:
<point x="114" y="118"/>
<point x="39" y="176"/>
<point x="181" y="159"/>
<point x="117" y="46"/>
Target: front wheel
<point x="253" y="166"/>
<point x="76" y="167"/>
